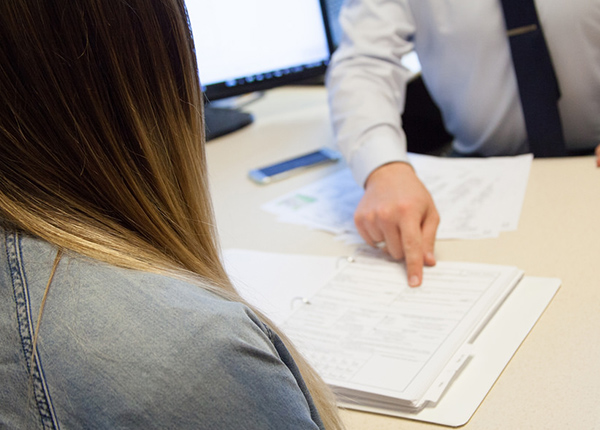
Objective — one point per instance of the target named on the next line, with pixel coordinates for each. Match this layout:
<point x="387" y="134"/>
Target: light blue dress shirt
<point x="467" y="67"/>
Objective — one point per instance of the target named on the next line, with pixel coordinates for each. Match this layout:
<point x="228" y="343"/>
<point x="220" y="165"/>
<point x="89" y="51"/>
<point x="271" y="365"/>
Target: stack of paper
<point x="379" y="342"/>
<point x="476" y="197"/>
<point x="374" y="339"/>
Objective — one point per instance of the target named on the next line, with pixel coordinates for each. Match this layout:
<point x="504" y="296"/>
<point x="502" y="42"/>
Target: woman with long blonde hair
<point x="115" y="310"/>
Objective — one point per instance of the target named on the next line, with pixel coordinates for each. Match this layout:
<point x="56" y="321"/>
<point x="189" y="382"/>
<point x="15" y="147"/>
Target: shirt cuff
<point x="381" y="146"/>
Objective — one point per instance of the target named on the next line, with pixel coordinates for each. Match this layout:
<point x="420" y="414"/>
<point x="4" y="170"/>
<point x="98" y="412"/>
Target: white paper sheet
<point x="476" y="197"/>
<point x="277" y="283"/>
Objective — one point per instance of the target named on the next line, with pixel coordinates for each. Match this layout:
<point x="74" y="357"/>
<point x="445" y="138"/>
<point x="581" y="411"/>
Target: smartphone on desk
<point x="283" y="169"/>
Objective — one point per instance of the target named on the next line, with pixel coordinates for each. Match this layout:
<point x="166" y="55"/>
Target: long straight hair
<point x="101" y="141"/>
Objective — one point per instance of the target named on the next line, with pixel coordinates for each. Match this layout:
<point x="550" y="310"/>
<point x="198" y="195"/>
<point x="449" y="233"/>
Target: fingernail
<point x="414" y="281"/>
<point x="430" y="257"/>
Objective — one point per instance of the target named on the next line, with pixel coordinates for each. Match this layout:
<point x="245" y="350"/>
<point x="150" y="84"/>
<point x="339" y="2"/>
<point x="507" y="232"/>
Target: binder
<point x="281" y="284"/>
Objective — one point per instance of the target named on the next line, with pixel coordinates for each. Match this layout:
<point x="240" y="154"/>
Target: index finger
<point x="412" y="244"/>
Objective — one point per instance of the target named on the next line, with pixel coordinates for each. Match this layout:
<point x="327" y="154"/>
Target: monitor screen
<point x="244" y="46"/>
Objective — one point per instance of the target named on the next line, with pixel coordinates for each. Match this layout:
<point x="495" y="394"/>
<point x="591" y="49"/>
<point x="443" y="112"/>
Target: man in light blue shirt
<point x="466" y="64"/>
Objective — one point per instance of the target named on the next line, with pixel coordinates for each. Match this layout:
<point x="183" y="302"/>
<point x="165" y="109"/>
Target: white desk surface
<point x="553" y="381"/>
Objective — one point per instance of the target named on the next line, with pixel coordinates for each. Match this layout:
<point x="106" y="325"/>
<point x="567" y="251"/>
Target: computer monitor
<point x="246" y="46"/>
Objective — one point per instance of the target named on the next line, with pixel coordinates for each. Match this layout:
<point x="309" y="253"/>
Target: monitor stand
<point x="219" y="121"/>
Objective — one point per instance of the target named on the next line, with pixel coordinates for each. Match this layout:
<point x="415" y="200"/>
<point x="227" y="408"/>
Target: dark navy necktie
<point x="538" y="88"/>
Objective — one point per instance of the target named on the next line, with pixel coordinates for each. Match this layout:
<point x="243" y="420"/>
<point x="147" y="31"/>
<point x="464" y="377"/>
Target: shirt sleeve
<point x="367" y="82"/>
<point x="232" y="373"/>
<point x="261" y="381"/>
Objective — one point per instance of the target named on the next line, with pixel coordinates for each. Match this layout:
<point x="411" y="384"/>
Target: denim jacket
<point x="121" y="348"/>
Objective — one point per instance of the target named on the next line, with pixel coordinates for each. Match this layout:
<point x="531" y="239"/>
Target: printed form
<point x="278" y="284"/>
<point x="378" y="341"/>
<point x="475" y="197"/>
